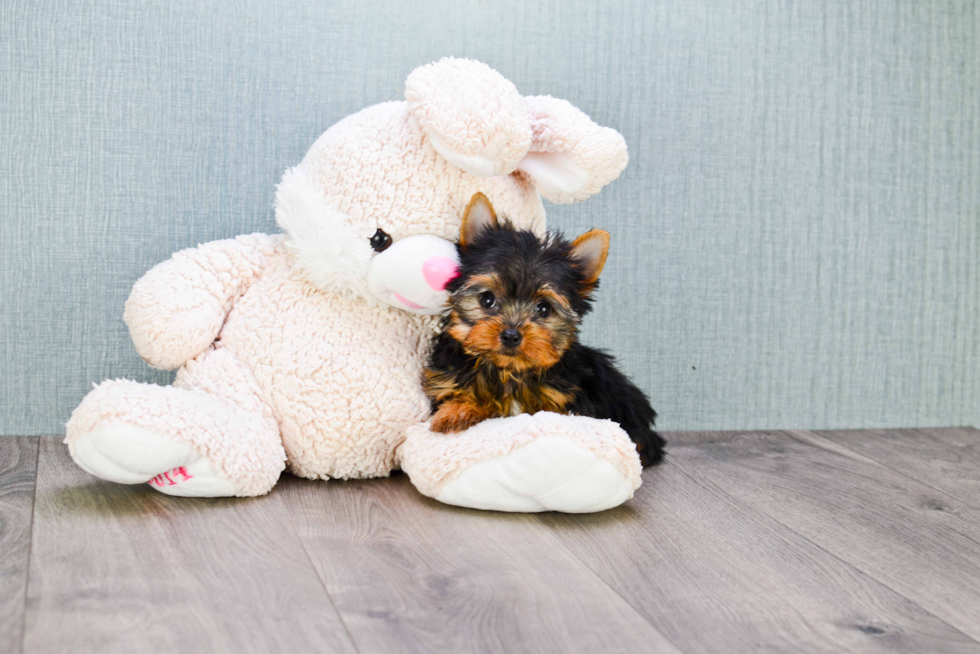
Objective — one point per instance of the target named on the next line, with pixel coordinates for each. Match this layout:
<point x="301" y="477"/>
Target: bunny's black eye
<point x="543" y="310"/>
<point x="487" y="300"/>
<point x="380" y="241"/>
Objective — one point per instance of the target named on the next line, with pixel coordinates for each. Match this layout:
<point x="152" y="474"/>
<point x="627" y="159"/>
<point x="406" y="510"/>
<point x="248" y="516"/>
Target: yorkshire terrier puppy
<point x="509" y="343"/>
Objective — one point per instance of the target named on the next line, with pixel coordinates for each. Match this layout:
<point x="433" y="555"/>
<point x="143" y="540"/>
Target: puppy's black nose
<point x="510" y="337"/>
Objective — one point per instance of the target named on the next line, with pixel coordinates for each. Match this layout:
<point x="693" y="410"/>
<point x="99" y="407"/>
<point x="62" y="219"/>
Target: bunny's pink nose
<point x="439" y="271"/>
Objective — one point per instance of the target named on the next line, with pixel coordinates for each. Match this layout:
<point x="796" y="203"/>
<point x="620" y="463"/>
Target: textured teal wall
<point x="795" y="242"/>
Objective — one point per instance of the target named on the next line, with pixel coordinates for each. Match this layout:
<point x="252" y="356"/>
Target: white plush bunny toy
<point x="304" y="350"/>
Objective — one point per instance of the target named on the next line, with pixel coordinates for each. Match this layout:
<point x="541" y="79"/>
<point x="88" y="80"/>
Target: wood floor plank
<point x="715" y="575"/>
<point x="917" y="540"/>
<point x="126" y="569"/>
<point x="946" y="458"/>
<point x="18" y="460"/>
<point x="411" y="575"/>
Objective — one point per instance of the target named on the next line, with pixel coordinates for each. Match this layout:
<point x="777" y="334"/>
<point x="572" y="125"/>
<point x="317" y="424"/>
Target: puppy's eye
<point x="487" y="300"/>
<point x="543" y="310"/>
<point x="380" y="241"/>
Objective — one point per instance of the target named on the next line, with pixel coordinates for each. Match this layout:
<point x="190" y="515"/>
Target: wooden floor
<point x="857" y="541"/>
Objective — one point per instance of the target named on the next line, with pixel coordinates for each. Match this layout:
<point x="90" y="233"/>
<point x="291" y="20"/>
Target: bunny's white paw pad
<point x="127" y="454"/>
<point x="548" y="474"/>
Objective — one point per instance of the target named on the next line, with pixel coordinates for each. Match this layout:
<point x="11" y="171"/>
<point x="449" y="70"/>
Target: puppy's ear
<point x="590" y="250"/>
<point x="479" y="215"/>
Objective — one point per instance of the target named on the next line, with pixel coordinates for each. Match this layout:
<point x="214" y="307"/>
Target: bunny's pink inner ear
<point x="555" y="170"/>
<point x="473" y="116"/>
<point x="571" y="157"/>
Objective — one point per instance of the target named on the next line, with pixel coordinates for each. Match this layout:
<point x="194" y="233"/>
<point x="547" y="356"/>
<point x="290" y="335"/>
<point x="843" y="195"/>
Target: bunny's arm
<point x="177" y="309"/>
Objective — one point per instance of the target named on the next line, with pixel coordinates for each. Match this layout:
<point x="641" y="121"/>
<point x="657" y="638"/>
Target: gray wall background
<point x="795" y="242"/>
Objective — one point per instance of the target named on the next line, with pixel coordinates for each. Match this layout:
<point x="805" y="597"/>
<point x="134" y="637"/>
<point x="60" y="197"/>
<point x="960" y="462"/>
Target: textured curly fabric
<point x="177" y="311"/>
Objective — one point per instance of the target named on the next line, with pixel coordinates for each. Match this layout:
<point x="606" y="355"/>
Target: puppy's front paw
<point x="456" y="416"/>
<point x="443" y="425"/>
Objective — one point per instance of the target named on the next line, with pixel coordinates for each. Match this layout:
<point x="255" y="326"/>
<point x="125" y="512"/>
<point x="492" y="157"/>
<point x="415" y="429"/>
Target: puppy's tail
<point x="649" y="445"/>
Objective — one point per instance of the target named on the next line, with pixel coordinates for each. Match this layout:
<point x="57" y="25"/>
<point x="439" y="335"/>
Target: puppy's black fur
<point x="605" y="392"/>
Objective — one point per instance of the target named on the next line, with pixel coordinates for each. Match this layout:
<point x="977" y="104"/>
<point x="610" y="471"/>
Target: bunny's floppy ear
<point x="473" y="116"/>
<point x="571" y="157"/>
<point x="478" y="121"/>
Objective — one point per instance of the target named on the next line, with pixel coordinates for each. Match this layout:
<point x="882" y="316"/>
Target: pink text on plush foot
<point x="171" y="478"/>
